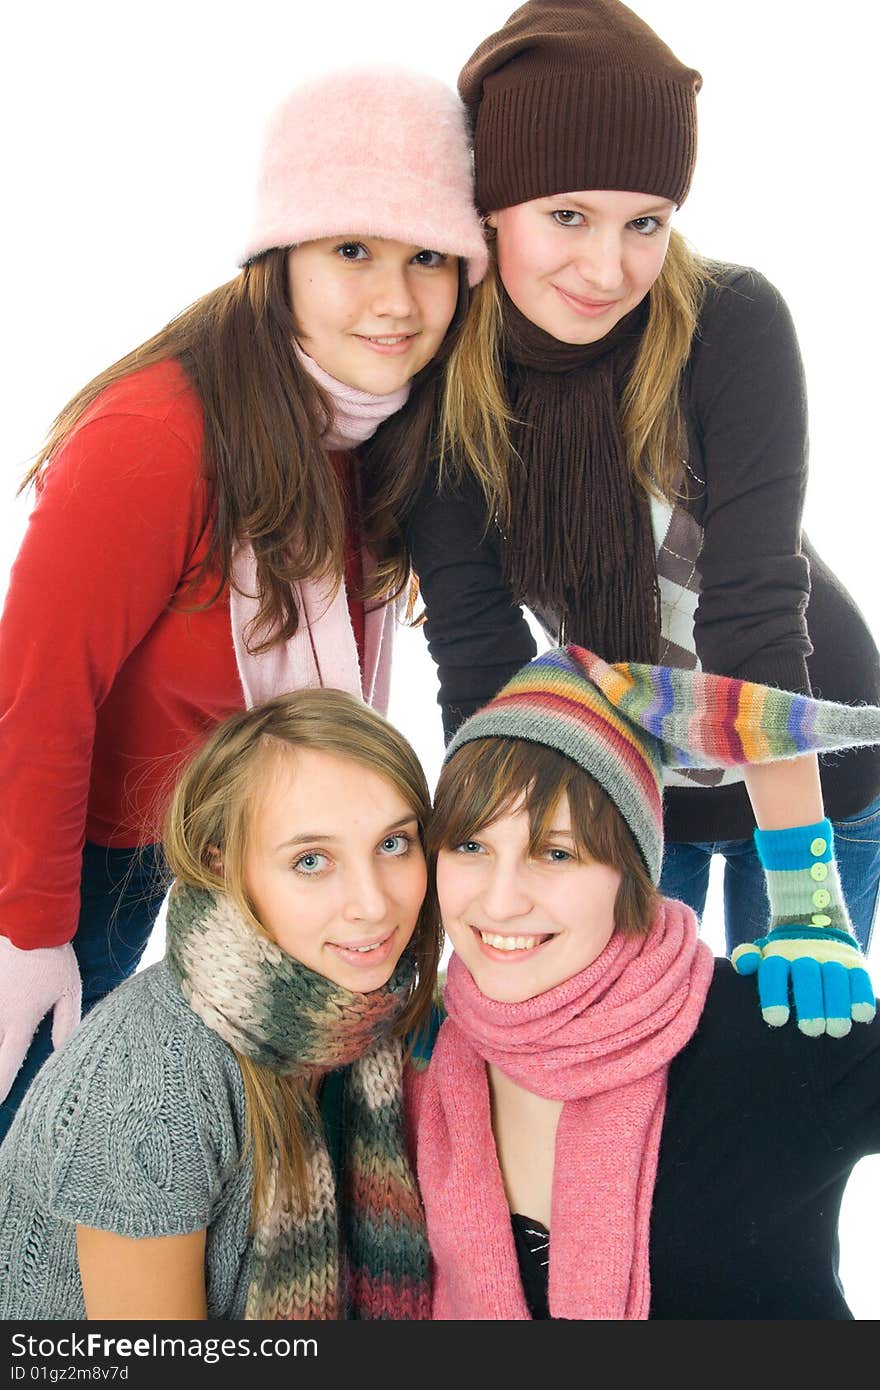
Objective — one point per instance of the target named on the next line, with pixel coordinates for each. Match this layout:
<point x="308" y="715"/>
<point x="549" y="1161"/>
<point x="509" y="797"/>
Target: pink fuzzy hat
<point x="373" y="151"/>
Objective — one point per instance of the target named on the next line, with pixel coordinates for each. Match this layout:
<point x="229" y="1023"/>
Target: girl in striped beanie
<point x="222" y="1137"/>
<point x="604" y="1127"/>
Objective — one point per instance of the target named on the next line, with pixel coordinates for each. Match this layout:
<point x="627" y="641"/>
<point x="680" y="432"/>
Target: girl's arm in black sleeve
<point x="749" y="402"/>
<point x="477" y="636"/>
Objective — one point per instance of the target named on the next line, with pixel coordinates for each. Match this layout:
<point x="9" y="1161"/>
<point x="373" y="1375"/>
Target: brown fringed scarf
<point x="578" y="549"/>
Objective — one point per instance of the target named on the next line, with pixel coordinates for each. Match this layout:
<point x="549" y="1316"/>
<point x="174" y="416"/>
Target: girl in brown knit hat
<point x="626" y="446"/>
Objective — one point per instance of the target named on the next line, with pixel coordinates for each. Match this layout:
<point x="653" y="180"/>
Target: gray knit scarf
<point x="369" y="1261"/>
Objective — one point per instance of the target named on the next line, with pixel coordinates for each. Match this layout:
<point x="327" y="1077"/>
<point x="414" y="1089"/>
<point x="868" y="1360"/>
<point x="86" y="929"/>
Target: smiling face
<point x="522" y="917"/>
<point x="576" y="263"/>
<point x="334" y="867"/>
<point x="371" y="312"/>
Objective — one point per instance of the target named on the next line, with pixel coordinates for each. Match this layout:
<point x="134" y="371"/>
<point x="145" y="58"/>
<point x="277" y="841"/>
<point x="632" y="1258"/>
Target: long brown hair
<point x="401" y="454"/>
<point x="475" y="410"/>
<point x="205" y="840"/>
<point x="269" y="478"/>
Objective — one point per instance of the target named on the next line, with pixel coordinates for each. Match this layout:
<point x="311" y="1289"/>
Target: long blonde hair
<point x="205" y="840"/>
<point x="476" y="416"/>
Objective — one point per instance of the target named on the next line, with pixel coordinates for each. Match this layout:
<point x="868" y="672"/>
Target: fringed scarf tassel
<point x="578" y="547"/>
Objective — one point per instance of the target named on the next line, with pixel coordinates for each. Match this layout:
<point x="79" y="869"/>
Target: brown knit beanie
<point x="579" y="94"/>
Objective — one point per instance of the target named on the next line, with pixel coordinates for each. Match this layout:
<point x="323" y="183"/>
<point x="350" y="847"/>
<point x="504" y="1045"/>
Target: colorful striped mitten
<point x="810" y="956"/>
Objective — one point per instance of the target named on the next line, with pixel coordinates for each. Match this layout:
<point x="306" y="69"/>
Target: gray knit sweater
<point x="135" y="1126"/>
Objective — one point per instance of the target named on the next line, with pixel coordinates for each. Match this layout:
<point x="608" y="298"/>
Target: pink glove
<point x="32" y="983"/>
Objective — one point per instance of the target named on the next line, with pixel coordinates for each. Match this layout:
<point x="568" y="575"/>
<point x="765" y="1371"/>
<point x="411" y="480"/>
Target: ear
<point x="215" y="861"/>
<point x="489" y="221"/>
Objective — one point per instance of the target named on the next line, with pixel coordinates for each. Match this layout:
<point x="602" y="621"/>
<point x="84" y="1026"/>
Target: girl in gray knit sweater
<point x="222" y="1136"/>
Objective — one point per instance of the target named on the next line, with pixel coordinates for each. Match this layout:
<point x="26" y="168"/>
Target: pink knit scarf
<point x="601" y="1042"/>
<point x="356" y="414"/>
<point x="323" y="650"/>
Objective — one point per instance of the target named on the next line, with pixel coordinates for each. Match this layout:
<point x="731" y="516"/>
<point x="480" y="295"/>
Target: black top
<point x="762" y="587"/>
<point x="762" y="1129"/>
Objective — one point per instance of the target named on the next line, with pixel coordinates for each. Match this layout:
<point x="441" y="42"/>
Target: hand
<point x="32" y="983"/>
<point x="822" y="969"/>
<point x="809" y="954"/>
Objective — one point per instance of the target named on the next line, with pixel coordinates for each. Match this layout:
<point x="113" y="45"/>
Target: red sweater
<point x="108" y="678"/>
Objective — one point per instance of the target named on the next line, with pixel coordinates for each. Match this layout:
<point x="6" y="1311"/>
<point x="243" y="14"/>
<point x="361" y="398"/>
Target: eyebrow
<point x="321" y="836"/>
<point x="582" y="204"/>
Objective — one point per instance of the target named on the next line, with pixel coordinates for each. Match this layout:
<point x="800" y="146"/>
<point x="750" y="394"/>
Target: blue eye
<point x="646" y="226"/>
<point x="554" y="854"/>
<point x="431" y="259"/>
<point x="469" y="847"/>
<point x="395" y="845"/>
<point x="352" y="251"/>
<point x="567" y="217"/>
<point x="311" y="863"/>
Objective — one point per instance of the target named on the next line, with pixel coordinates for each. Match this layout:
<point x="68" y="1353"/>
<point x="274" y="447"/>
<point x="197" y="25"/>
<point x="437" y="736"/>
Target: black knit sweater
<point x="769" y="609"/>
<point x="761" y="1131"/>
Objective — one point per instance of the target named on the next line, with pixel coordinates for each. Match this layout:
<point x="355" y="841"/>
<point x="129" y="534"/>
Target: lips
<point x="590" y="308"/>
<point x="366" y="952"/>
<point x="387" y="344"/>
<point x="510" y="946"/>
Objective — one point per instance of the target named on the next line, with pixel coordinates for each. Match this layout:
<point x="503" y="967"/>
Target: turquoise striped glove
<point x="809" y="957"/>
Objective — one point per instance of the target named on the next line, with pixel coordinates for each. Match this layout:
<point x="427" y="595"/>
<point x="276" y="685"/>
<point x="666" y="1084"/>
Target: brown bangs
<point x="487" y="778"/>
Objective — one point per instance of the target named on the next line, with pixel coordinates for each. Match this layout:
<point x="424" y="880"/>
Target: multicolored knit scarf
<point x="371" y="1260"/>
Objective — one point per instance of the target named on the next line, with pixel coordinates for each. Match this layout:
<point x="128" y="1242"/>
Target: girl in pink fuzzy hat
<point x="203" y="537"/>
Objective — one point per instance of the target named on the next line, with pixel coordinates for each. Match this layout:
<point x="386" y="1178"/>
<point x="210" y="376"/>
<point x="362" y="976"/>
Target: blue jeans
<point x="685" y="876"/>
<point x="121" y="891"/>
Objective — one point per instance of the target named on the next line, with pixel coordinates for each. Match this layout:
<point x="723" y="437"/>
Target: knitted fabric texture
<point x="802" y="880"/>
<point x="592" y="569"/>
<point x="290" y="665"/>
<point x="32" y="983"/>
<point x="272" y="1009"/>
<point x="809" y="956"/>
<point x="601" y="1042"/>
<point x="134" y="1126"/>
<point x="579" y="94"/>
<point x="624" y="723"/>
<point x="373" y="151"/>
<point x="356" y="414"/>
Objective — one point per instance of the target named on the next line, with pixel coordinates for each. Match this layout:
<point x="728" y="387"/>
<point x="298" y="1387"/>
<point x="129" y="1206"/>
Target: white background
<point x="130" y="136"/>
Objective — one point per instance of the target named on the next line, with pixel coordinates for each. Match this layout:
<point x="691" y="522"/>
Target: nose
<point x="392" y="293"/>
<point x="365" y="898"/>
<point x="504" y="893"/>
<point x="600" y="262"/>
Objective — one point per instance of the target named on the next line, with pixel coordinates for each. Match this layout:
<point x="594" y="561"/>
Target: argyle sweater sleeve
<point x="748" y="412"/>
<point x="117" y="517"/>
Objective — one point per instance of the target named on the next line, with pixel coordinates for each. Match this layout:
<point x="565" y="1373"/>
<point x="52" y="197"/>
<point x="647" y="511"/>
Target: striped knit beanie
<point x="624" y="723"/>
<point x="579" y="94"/>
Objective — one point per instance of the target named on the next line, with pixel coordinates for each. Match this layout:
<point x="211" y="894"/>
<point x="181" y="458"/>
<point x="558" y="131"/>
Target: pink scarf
<point x="323" y="650"/>
<point x="601" y="1042"/>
